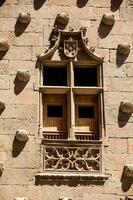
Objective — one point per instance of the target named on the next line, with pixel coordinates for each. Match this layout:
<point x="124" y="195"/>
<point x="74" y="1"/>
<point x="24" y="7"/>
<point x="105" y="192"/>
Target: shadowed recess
<point x="2" y="54"/>
<point x="120" y="59"/>
<point x="17" y="147"/>
<point x="20" y="28"/>
<point x="115" y="5"/>
<point x="81" y="3"/>
<point x="2" y="2"/>
<point x="126" y="183"/>
<point x="19" y="86"/>
<point x="123" y="118"/>
<point x="104" y="30"/>
<point x="38" y="4"/>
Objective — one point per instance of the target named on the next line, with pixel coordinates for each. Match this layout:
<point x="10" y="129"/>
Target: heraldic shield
<point x="70" y="47"/>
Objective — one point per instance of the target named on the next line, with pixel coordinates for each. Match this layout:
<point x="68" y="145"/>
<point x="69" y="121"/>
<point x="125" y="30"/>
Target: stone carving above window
<point x="70" y="47"/>
<point x="76" y="158"/>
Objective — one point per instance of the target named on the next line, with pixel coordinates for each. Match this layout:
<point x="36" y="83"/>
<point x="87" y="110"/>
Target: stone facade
<point x="21" y="161"/>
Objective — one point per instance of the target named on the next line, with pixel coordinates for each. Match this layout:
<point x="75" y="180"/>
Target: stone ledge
<point x="43" y="177"/>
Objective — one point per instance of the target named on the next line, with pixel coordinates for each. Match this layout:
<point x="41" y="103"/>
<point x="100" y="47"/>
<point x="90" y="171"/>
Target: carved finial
<point x="23" y="75"/>
<point x="24" y="18"/>
<point x="128" y="171"/>
<point x="2" y="106"/>
<point x="108" y="19"/>
<point x="62" y="18"/>
<point x="22" y="135"/>
<point x="84" y="29"/>
<point x="124" y="49"/>
<point x="1" y="168"/>
<point x="4" y="45"/>
<point x="126" y="107"/>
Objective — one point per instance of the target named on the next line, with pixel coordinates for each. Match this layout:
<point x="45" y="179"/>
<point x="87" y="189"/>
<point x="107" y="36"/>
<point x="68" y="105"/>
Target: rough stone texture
<point x="18" y="178"/>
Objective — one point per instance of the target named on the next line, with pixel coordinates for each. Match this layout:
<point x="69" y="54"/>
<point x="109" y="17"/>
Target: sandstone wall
<point x="20" y="165"/>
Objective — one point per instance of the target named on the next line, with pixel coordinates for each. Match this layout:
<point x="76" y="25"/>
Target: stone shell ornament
<point x="22" y="135"/>
<point x="123" y="49"/>
<point x="126" y="107"/>
<point x="62" y="18"/>
<point x="24" y="18"/>
<point x="4" y="45"/>
<point x="23" y="75"/>
<point x="108" y="19"/>
<point x="1" y="167"/>
<point x="2" y="105"/>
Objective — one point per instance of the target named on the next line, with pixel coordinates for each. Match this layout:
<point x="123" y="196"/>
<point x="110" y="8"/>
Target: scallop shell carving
<point x="128" y="171"/>
<point x="24" y="18"/>
<point x="127" y="107"/>
<point x="1" y="168"/>
<point x="22" y="135"/>
<point x="23" y="75"/>
<point x="108" y="19"/>
<point x="2" y="105"/>
<point x="123" y="49"/>
<point x="4" y="45"/>
<point x="62" y="18"/>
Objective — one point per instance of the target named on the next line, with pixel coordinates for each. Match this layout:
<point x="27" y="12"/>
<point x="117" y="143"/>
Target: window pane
<point x="55" y="111"/>
<point x="86" y="112"/>
<point x="85" y="76"/>
<point x="55" y="76"/>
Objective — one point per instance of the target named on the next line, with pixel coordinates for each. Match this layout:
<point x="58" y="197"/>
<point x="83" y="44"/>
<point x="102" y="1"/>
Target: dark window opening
<point x="86" y="112"/>
<point x="85" y="76"/>
<point x="55" y="111"/>
<point x="55" y="76"/>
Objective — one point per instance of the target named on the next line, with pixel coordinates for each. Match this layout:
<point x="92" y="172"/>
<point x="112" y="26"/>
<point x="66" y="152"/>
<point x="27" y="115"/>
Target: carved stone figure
<point x="108" y="19"/>
<point x="22" y="135"/>
<point x="123" y="49"/>
<point x="23" y="75"/>
<point x="62" y="18"/>
<point x="1" y="168"/>
<point x="24" y="18"/>
<point x="4" y="45"/>
<point x="2" y="105"/>
<point x="128" y="171"/>
<point x="126" y="107"/>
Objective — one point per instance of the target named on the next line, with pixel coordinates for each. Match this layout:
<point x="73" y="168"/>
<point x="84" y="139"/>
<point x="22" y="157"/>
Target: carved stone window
<point x="71" y="114"/>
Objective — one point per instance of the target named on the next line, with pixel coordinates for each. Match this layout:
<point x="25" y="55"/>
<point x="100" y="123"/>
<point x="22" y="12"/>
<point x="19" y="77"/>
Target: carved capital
<point x="108" y="19"/>
<point x="124" y="49"/>
<point x="128" y="171"/>
<point x="126" y="107"/>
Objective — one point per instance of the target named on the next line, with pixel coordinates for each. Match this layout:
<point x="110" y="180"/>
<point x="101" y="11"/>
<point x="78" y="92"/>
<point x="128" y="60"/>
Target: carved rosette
<point x="128" y="171"/>
<point x="62" y="18"/>
<point x="123" y="49"/>
<point x="23" y="75"/>
<point x="72" y="159"/>
<point x="1" y="167"/>
<point x="24" y="18"/>
<point x="2" y="105"/>
<point x="126" y="107"/>
<point x="22" y="135"/>
<point x="108" y="19"/>
<point x="4" y="45"/>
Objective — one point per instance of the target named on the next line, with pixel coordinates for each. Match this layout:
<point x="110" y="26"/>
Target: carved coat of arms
<point x="70" y="47"/>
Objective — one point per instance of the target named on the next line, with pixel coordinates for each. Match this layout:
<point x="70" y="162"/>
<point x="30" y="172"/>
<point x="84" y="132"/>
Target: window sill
<point x="43" y="177"/>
